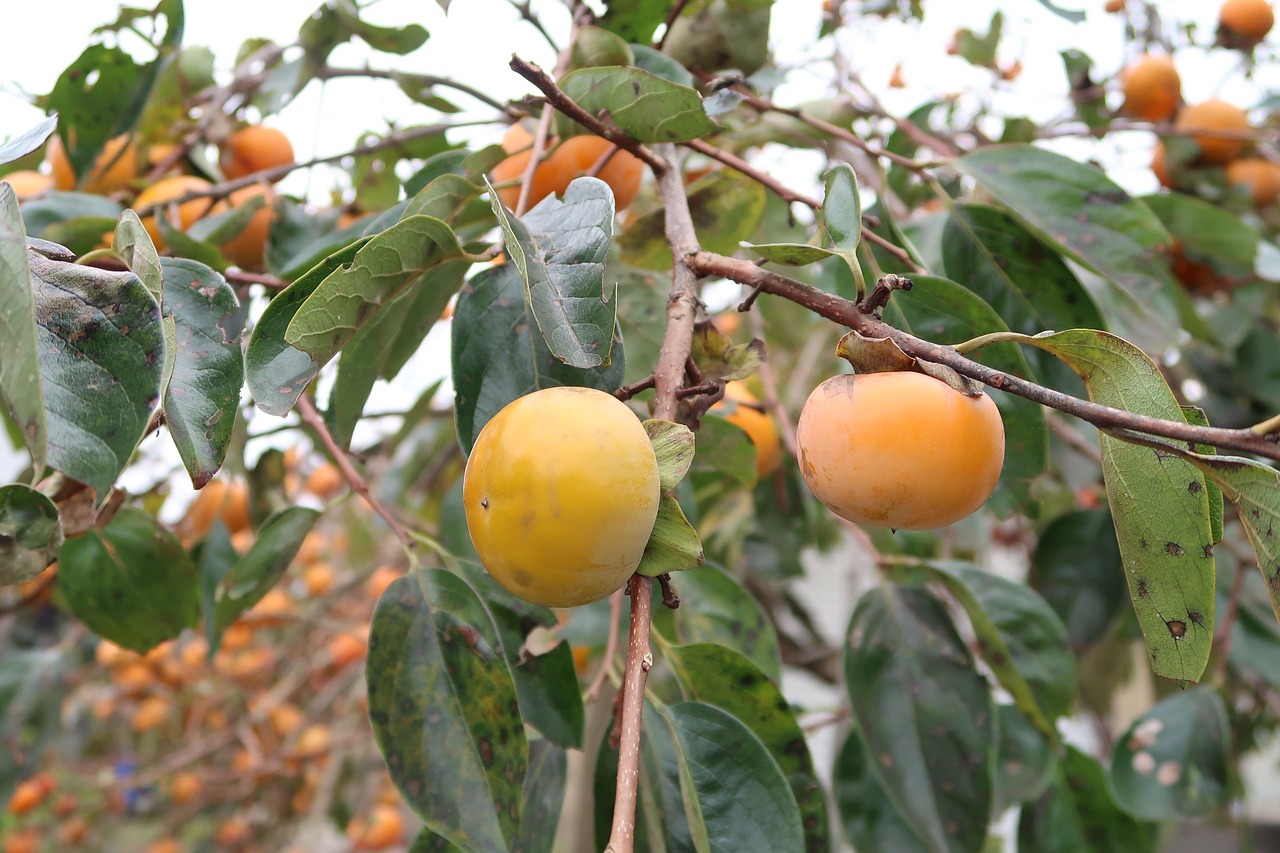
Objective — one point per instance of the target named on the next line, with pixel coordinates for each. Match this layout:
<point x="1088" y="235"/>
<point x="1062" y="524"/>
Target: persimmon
<point x="133" y="678"/>
<point x="561" y="493"/>
<point x="166" y="190"/>
<point x="1261" y="177"/>
<point x="1244" y="23"/>
<point x="315" y="740"/>
<point x="73" y="832"/>
<point x="28" y="184"/>
<point x="383" y="828"/>
<point x="1160" y="165"/>
<point x="248" y="248"/>
<point x="151" y="713"/>
<point x="286" y="719"/>
<point x="900" y="450"/>
<point x="1204" y="121"/>
<point x="25" y="840"/>
<point x="346" y="649"/>
<point x="325" y="482"/>
<point x="252" y="149"/>
<point x="185" y="787"/>
<point x="318" y="578"/>
<point x="27" y="796"/>
<point x="759" y="426"/>
<point x="567" y="160"/>
<point x="115" y="167"/>
<point x="164" y="845"/>
<point x="381" y="578"/>
<point x="233" y="832"/>
<point x="1152" y="87"/>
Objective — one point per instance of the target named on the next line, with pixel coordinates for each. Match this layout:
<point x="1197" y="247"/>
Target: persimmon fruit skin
<point x="1214" y="115"/>
<point x="1245" y="23"/>
<point x="1152" y="87"/>
<point x="166" y="190"/>
<point x="115" y="168"/>
<point x="561" y="493"/>
<point x="570" y="159"/>
<point x="252" y="149"/>
<point x="758" y="426"/>
<point x="1261" y="177"/>
<point x="28" y="184"/>
<point x="899" y="450"/>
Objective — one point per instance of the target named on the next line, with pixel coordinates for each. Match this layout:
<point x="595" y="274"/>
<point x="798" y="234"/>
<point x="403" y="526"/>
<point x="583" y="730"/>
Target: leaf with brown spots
<point x="1171" y="764"/>
<point x="444" y="710"/>
<point x="867" y="815"/>
<point x="714" y="608"/>
<point x="1077" y="813"/>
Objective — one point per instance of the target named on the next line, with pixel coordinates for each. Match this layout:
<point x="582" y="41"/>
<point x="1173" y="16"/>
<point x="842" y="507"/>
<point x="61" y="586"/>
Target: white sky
<point x="474" y="42"/>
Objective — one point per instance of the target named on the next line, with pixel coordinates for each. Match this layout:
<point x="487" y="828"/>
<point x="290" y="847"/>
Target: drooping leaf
<point x="20" y="377"/>
<point x="1159" y="505"/>
<point x="926" y="715"/>
<point x="101" y="356"/>
<point x="132" y="242"/>
<point x="560" y="248"/>
<point x="397" y="40"/>
<point x="444" y="710"/>
<point x="673" y="545"/>
<point x="30" y="533"/>
<point x="208" y="371"/>
<point x="498" y="355"/>
<point x="262" y="566"/>
<point x="1172" y="762"/>
<point x="1079" y="210"/>
<point x="648" y="108"/>
<point x="92" y="97"/>
<point x="131" y="582"/>
<point x="721" y="676"/>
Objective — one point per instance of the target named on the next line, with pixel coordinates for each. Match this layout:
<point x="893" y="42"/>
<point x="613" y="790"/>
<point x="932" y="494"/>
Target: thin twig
<point x="622" y="836"/>
<point x="767" y="181"/>
<point x="564" y="104"/>
<point x="671" y="19"/>
<point x="526" y="11"/>
<point x="610" y="647"/>
<point x="330" y="72"/>
<point x="312" y="418"/>
<point x="626" y="392"/>
<point x="846" y="313"/>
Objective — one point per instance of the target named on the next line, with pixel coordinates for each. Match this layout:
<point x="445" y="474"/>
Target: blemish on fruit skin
<point x="484" y="503"/>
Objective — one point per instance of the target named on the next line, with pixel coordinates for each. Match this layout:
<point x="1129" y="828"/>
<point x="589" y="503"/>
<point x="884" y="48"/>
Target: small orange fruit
<point x="248" y="248"/>
<point x="151" y="713"/>
<point x="1205" y="121"/>
<point x="253" y="149"/>
<point x="899" y="450"/>
<point x="758" y="425"/>
<point x="115" y="168"/>
<point x="314" y="741"/>
<point x="325" y="482"/>
<point x="346" y="649"/>
<point x="1152" y="87"/>
<point x="383" y="828"/>
<point x="25" y="840"/>
<point x="381" y="578"/>
<point x="164" y="845"/>
<point x="233" y="832"/>
<point x="570" y="159"/>
<point x="28" y="183"/>
<point x="318" y="578"/>
<point x="185" y="787"/>
<point x="286" y="719"/>
<point x="1244" y="23"/>
<point x="165" y="191"/>
<point x="27" y="796"/>
<point x="1260" y="177"/>
<point x="73" y="831"/>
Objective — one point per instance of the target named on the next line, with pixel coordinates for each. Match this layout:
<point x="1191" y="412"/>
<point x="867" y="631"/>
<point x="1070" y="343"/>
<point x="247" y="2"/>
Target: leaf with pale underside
<point x="27" y="141"/>
<point x="134" y="245"/>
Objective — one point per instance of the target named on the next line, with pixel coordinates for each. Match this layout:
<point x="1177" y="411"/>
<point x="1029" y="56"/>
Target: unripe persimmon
<point x="1152" y="87"/>
<point x="25" y="840"/>
<point x="900" y="450"/>
<point x="28" y="183"/>
<point x="1205" y="120"/>
<point x="570" y="159"/>
<point x="561" y="493"/>
<point x="1261" y="177"/>
<point x="252" y="149"/>
<point x="115" y="167"/>
<point x="1244" y="23"/>
<point x="167" y="190"/>
<point x="747" y="415"/>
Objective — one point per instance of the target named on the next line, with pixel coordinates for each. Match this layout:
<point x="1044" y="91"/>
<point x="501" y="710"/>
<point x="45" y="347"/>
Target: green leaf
<point x="735" y="796"/>
<point x="1078" y="814"/>
<point x="397" y="40"/>
<point x="726" y="449"/>
<point x="444" y="710"/>
<point x="646" y="107"/>
<point x="543" y="797"/>
<point x="132" y="242"/>
<point x="642" y="316"/>
<point x="181" y="76"/>
<point x="55" y="207"/>
<point x="497" y="355"/>
<point x="1159" y="505"/>
<point x="1172" y="764"/>
<point x="93" y="97"/>
<point x="714" y="608"/>
<point x="560" y="248"/>
<point x="635" y="20"/>
<point x="980" y="50"/>
<point x="20" y="375"/>
<point x="27" y="142"/>
<point x="30" y="533"/>
<point x="214" y="557"/>
<point x="673" y="445"/>
<point x="673" y="545"/>
<point x="208" y="372"/>
<point x="868" y="817"/>
<point x="1208" y="231"/>
<point x="33" y="685"/>
<point x="926" y="715"/>
<point x="262" y="566"/>
<point x="945" y="312"/>
<point x="131" y="582"/>
<point x="1094" y="222"/>
<point x="726" y="207"/>
<point x="790" y="254"/>
<point x="717" y="34"/>
<point x="101" y="356"/>
<point x="1025" y="762"/>
<point x="841" y="217"/>
<point x="386" y="343"/>
<point x="1076" y="567"/>
<point x="721" y="676"/>
<point x="656" y="62"/>
<point x="593" y="46"/>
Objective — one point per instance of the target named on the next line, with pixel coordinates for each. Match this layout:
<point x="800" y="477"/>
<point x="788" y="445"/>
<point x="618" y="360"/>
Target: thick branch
<point x="846" y="313"/>
<point x="564" y="104"/>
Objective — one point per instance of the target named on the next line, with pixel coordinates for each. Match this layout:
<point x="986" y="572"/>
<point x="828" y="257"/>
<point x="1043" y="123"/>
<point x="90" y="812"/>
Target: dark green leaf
<point x="926" y="715"/>
<point x="498" y="356"/>
<point x="656" y="62"/>
<point x="714" y="608"/>
<point x="673" y="545"/>
<point x="33" y="685"/>
<point x="93" y="97"/>
<point x="726" y="448"/>
<point x="635" y="20"/>
<point x="131" y="582"/>
<point x="55" y="207"/>
<point x="726" y="207"/>
<point x="1172" y="762"/>
<point x="543" y="798"/>
<point x="20" y="385"/>
<point x="1078" y="814"/>
<point x="1025" y="762"/>
<point x="30" y="533"/>
<point x="646" y="107"/>
<point x="560" y="248"/>
<point x="1077" y="569"/>
<point x="214" y="557"/>
<point x="201" y="399"/>
<point x="444" y="710"/>
<point x="259" y="570"/>
<point x="869" y="818"/>
<point x="642" y="316"/>
<point x="1207" y="231"/>
<point x="397" y="40"/>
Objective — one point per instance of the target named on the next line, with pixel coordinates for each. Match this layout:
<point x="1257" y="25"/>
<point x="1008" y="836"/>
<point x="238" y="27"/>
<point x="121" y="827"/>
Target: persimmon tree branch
<point x="849" y="314"/>
<point x="669" y="376"/>
<point x="566" y="105"/>
<point x="330" y="72"/>
<point x="312" y="418"/>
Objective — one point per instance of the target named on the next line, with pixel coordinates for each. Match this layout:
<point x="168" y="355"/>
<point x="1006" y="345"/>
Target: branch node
<point x="669" y="598"/>
<point x="879" y="296"/>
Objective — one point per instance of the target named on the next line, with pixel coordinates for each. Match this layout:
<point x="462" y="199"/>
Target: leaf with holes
<point x="30" y="533"/>
<point x="444" y="710"/>
<point x="560" y="248"/>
